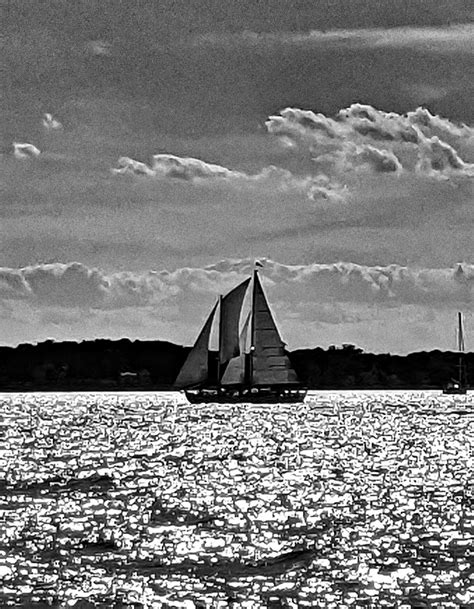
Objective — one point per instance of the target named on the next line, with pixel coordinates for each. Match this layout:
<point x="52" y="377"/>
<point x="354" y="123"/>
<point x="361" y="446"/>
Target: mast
<point x="249" y="367"/>
<point x="460" y="349"/>
<point x="221" y="341"/>
<point x="460" y="333"/>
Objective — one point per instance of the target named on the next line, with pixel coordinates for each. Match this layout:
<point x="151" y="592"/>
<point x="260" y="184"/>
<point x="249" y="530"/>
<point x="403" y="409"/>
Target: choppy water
<point x="354" y="499"/>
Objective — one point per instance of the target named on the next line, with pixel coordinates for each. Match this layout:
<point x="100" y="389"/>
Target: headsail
<point x="270" y="364"/>
<point x="195" y="368"/>
<point x="231" y="305"/>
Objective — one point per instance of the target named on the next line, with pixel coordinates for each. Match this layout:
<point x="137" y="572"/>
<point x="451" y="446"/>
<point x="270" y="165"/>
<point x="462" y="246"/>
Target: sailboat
<point x="459" y="385"/>
<point x="251" y="364"/>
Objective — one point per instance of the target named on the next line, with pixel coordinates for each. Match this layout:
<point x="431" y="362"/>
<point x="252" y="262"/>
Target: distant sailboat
<point x="459" y="385"/>
<point x="261" y="373"/>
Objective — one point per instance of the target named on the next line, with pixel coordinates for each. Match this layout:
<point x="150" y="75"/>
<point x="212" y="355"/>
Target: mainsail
<point x="195" y="368"/>
<point x="270" y="364"/>
<point x="231" y="306"/>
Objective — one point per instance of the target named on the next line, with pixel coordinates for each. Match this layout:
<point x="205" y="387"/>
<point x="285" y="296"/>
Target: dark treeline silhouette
<point x="124" y="364"/>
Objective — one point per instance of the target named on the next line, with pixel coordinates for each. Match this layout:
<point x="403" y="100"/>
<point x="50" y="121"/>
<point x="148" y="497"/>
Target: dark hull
<point x="246" y="396"/>
<point x="455" y="390"/>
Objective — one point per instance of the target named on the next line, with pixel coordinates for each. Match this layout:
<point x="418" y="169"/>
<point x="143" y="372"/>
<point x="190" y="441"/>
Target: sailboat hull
<point x="454" y="390"/>
<point x="255" y="395"/>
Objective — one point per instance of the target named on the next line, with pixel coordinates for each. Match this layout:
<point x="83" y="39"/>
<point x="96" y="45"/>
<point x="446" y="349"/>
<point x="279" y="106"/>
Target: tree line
<point x="106" y="364"/>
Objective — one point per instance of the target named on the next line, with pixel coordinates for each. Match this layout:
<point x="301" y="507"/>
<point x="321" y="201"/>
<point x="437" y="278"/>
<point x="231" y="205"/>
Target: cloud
<point x="186" y="169"/>
<point x="381" y="161"/>
<point x="437" y="158"/>
<point x="75" y="285"/>
<point x="350" y="282"/>
<point x="50" y="123"/>
<point x="393" y="307"/>
<point x="25" y="151"/>
<point x="448" y="39"/>
<point x="127" y="165"/>
<point x="366" y="121"/>
<point x="181" y="168"/>
<point x="101" y="48"/>
<point x="417" y="141"/>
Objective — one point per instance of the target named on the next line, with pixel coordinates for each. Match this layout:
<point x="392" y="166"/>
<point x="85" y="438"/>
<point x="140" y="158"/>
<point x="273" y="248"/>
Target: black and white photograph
<point x="236" y="304"/>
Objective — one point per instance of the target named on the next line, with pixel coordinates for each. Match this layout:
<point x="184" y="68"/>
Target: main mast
<point x="252" y="327"/>
<point x="221" y="341"/>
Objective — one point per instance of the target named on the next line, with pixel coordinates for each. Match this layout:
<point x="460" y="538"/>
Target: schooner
<point x="252" y="364"/>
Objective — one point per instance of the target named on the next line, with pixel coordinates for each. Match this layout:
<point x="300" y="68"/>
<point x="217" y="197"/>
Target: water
<point x="111" y="500"/>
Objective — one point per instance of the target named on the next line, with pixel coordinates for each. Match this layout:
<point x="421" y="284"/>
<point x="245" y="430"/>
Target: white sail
<point x="270" y="364"/>
<point x="195" y="368"/>
<point x="231" y="305"/>
<point x="235" y="372"/>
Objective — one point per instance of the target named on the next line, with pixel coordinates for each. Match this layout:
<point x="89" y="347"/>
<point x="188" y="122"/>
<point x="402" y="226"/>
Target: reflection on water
<point x="353" y="499"/>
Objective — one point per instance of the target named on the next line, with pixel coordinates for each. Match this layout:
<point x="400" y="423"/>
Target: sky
<point x="150" y="152"/>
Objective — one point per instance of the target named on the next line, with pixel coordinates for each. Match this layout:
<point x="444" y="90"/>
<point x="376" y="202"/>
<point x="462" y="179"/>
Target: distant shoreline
<point x="151" y="366"/>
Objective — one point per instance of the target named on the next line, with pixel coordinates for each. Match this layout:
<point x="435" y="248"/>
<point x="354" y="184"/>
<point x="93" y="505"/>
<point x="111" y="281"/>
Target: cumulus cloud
<point x="25" y="151"/>
<point x="326" y="158"/>
<point x="439" y="159"/>
<point x="380" y="160"/>
<point x="384" y="141"/>
<point x="181" y="168"/>
<point x="187" y="169"/>
<point x="50" y="123"/>
<point x="75" y="285"/>
<point x="127" y="165"/>
<point x="350" y="282"/>
<point x="377" y="307"/>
